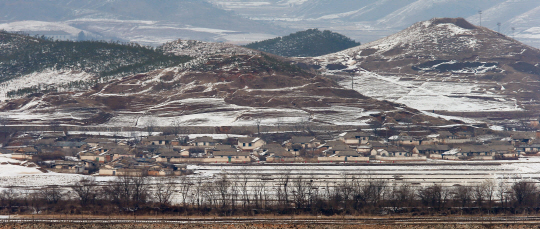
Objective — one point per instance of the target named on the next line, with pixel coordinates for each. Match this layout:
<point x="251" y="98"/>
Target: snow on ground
<point x="47" y="77"/>
<point x="39" y="26"/>
<point x="430" y="95"/>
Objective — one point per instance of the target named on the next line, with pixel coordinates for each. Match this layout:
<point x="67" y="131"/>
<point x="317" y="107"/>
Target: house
<point x="446" y="137"/>
<point x="203" y="142"/>
<point x="167" y="156"/>
<point x="337" y="149"/>
<point x="96" y="142"/>
<point x="408" y="140"/>
<point x="330" y="144"/>
<point x="523" y="137"/>
<point x="430" y="149"/>
<point x="355" y="138"/>
<point x="26" y="150"/>
<point x="99" y="158"/>
<point x="482" y="152"/>
<point x="209" y="151"/>
<point x="347" y="153"/>
<point x="274" y="148"/>
<point x="161" y="140"/>
<point x="391" y="151"/>
<point x="363" y="148"/>
<point x="303" y="142"/>
<point x="119" y="152"/>
<point x="61" y="166"/>
<point x="250" y="143"/>
<point x="237" y="155"/>
<point x="160" y="171"/>
<point x="528" y="149"/>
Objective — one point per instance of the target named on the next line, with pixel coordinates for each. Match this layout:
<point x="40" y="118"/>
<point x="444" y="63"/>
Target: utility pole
<point x="480" y="12"/>
<point x="513" y="29"/>
<point x="498" y="27"/>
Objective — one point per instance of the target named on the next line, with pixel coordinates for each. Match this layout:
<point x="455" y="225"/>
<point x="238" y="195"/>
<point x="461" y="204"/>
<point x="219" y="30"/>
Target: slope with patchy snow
<point x="443" y="64"/>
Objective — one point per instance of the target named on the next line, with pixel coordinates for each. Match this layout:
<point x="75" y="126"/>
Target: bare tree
<point x="524" y="194"/>
<point x="299" y="192"/>
<point x="234" y="193"/>
<point x="434" y="196"/>
<point x="243" y="187"/>
<point x="8" y="197"/>
<point x="222" y="185"/>
<point x="150" y="126"/>
<point x="489" y="192"/>
<point x="52" y="194"/>
<point x="185" y="186"/>
<point x="140" y="190"/>
<point x="463" y="195"/>
<point x="163" y="190"/>
<point x="177" y="127"/>
<point x="503" y="193"/>
<point x="401" y="196"/>
<point x="86" y="190"/>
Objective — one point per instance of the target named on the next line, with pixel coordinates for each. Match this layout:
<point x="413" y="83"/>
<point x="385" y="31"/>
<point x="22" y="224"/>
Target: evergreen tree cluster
<point x="311" y="42"/>
<point x="20" y="55"/>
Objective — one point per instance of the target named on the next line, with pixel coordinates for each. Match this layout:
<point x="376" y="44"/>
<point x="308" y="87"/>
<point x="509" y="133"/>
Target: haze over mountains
<point x="368" y="20"/>
<point x="245" y="21"/>
<point x="142" y="21"/>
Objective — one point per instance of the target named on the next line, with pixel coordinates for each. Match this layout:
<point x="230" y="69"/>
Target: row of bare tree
<point x="288" y="194"/>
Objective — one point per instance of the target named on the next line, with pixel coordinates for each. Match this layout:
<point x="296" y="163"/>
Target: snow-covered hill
<point x="223" y="85"/>
<point x="444" y="64"/>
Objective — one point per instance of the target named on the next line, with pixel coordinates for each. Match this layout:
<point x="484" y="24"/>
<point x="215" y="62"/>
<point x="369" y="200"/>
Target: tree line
<point x="247" y="195"/>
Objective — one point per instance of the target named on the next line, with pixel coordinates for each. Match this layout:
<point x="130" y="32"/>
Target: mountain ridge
<point x="311" y="42"/>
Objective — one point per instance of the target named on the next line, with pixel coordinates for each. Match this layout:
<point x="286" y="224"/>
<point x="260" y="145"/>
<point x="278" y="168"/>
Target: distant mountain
<point x="143" y="21"/>
<point x="311" y="42"/>
<point x="368" y="20"/>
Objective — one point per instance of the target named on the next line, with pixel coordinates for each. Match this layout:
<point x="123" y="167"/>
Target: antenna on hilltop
<point x="480" y="12"/>
<point x="498" y="27"/>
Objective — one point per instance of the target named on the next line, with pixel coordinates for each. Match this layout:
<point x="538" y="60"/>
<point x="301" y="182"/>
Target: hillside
<point x="223" y="85"/>
<point x="444" y="64"/>
<point x="23" y="57"/>
<point x="311" y="42"/>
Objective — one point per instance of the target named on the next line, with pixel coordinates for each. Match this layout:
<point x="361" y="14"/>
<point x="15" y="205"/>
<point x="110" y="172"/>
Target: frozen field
<point x="432" y="95"/>
<point x="268" y="178"/>
<point x="422" y="173"/>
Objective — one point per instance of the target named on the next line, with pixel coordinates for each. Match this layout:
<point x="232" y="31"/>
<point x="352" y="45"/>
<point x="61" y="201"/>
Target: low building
<point x="355" y="138"/>
<point x="161" y="140"/>
<point x="303" y="142"/>
<point x="430" y="149"/>
<point x="250" y="143"/>
<point x="204" y="142"/>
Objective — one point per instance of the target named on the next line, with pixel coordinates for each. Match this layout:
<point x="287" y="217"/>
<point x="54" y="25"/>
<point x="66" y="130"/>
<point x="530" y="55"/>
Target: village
<point x="169" y="154"/>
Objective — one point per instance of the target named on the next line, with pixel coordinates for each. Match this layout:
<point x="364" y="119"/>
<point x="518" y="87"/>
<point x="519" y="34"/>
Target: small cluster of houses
<point x="169" y="154"/>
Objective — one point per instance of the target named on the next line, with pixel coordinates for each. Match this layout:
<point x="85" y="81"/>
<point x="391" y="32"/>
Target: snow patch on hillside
<point x="47" y="77"/>
<point x="39" y="26"/>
